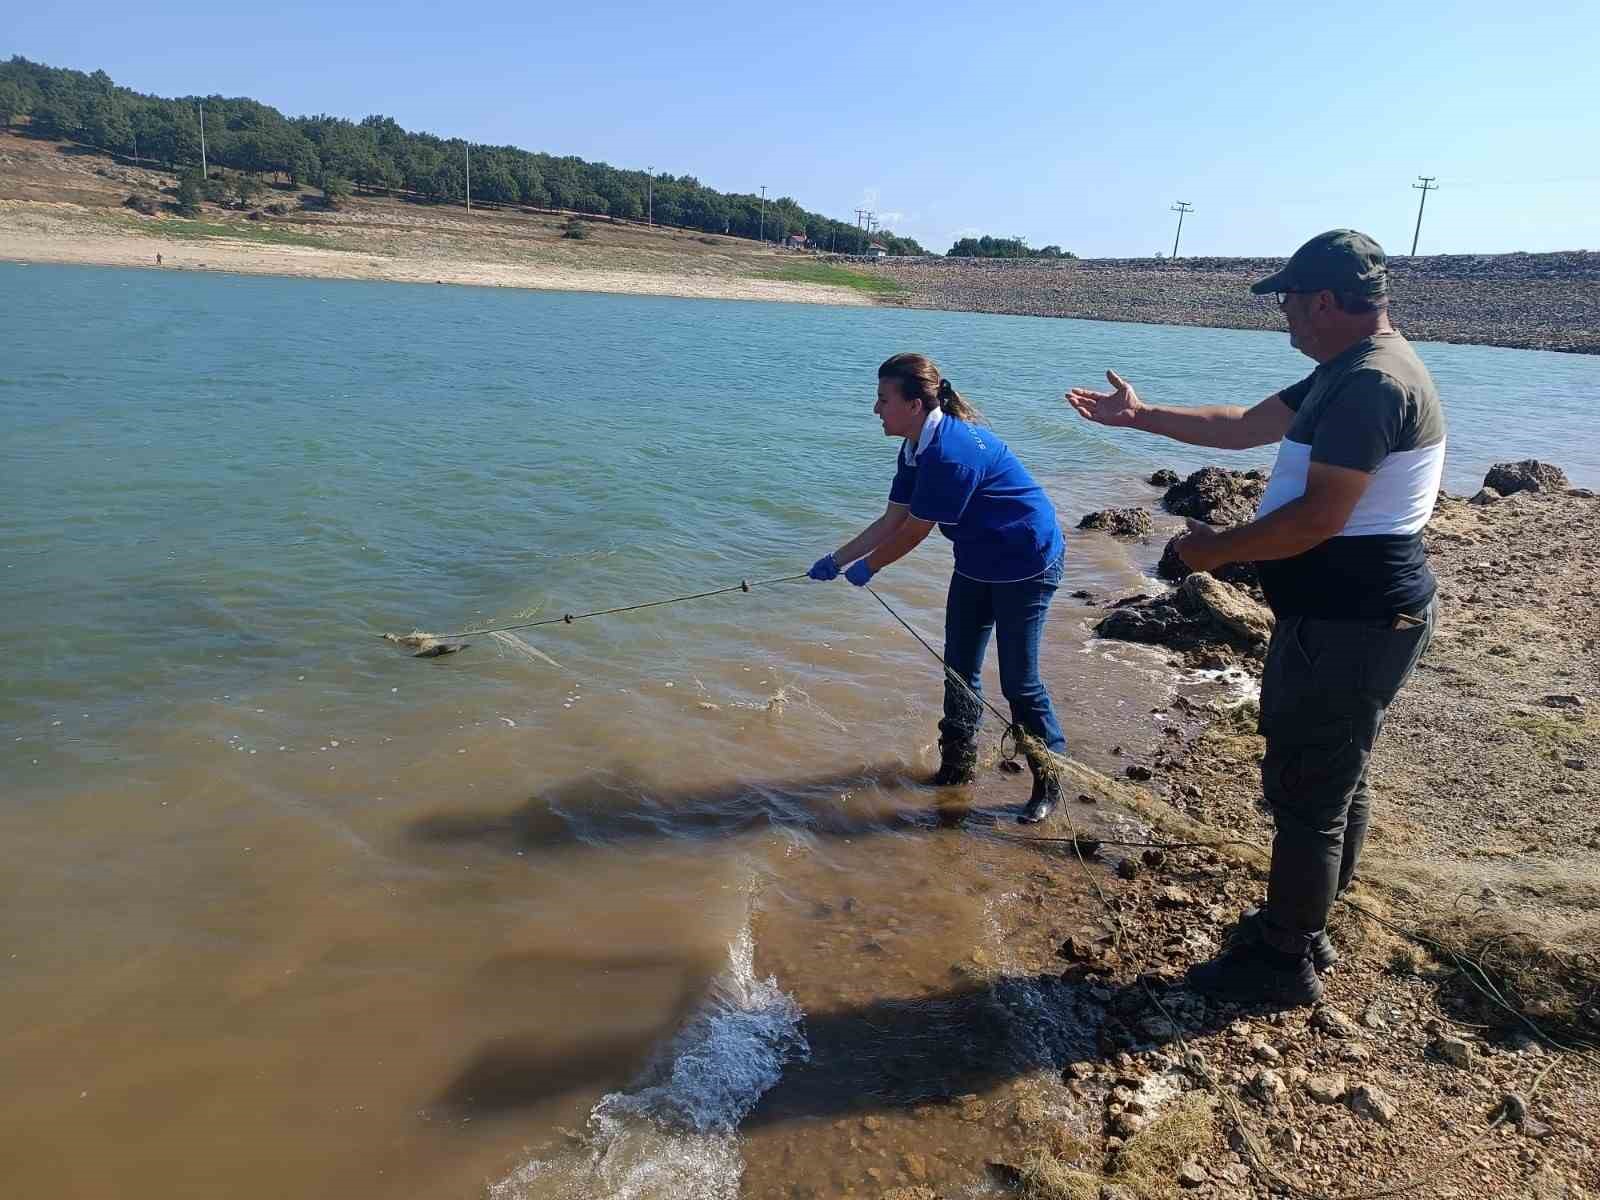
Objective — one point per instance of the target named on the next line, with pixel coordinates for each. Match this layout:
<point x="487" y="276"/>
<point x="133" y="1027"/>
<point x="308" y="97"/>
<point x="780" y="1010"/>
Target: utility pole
<point x="861" y="241"/>
<point x="469" y="176"/>
<point x="762" y="236"/>
<point x="1427" y="185"/>
<point x="1181" y="207"/>
<point x="650" y="196"/>
<point x="203" y="139"/>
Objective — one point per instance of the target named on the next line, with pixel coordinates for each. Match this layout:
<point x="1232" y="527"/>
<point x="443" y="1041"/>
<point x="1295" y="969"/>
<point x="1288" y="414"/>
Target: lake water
<point x="284" y="911"/>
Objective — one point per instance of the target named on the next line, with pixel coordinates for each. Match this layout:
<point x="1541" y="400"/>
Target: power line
<point x="1181" y="207"/>
<point x="1427" y="185"/>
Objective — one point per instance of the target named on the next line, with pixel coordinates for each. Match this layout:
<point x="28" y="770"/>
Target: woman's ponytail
<point x="950" y="400"/>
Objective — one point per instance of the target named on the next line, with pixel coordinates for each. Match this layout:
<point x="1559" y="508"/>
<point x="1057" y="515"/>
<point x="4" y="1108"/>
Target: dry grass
<point x="1363" y="938"/>
<point x="1549" y="973"/>
<point x="1147" y="1166"/>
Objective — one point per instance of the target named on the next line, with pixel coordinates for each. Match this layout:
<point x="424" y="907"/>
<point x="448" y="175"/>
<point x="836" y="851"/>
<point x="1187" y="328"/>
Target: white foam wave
<point x="673" y="1134"/>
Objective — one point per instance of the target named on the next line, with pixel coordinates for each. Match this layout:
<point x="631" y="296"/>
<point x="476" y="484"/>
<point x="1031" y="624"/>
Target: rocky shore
<point x="1454" y="1047"/>
<point x="1529" y="301"/>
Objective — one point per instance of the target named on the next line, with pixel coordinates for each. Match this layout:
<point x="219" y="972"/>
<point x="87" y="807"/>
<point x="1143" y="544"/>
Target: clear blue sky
<point x="1073" y="124"/>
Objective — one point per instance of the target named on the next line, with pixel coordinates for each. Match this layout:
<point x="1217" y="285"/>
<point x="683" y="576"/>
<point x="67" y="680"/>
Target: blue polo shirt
<point x="966" y="479"/>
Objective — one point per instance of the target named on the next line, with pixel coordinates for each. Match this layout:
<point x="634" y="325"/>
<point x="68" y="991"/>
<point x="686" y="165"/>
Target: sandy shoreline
<point x="37" y="242"/>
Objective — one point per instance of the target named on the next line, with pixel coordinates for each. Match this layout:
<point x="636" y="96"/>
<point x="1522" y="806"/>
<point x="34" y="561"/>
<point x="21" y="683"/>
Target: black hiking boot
<point x="1323" y="955"/>
<point x="1250" y="972"/>
<point x="958" y="764"/>
<point x="1046" y="795"/>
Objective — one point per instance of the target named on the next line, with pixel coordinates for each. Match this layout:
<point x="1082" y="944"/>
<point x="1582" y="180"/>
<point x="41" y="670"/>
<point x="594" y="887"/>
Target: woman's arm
<point x="906" y="537"/>
<point x="874" y="535"/>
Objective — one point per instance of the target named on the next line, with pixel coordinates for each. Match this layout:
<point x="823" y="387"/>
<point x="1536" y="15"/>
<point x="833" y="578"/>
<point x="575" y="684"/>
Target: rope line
<point x="1012" y="730"/>
<point x="744" y="585"/>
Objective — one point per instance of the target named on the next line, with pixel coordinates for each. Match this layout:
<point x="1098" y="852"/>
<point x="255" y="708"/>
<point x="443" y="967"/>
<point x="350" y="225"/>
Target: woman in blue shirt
<point x="954" y="473"/>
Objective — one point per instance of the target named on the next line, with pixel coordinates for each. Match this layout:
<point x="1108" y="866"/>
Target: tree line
<point x="376" y="155"/>
<point x="993" y="247"/>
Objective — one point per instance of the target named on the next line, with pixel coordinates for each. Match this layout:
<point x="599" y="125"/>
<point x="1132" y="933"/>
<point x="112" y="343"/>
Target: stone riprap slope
<point x="1530" y="301"/>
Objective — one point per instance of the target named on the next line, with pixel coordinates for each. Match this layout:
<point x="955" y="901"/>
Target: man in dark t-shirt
<point x="1338" y="541"/>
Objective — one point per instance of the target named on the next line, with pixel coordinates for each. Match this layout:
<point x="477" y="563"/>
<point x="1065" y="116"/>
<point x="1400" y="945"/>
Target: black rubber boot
<point x="1046" y="795"/>
<point x="958" y="764"/>
<point x="1323" y="955"/>
<point x="1251" y="972"/>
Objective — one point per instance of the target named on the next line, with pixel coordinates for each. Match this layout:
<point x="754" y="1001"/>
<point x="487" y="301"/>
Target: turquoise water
<point x="275" y="892"/>
<point x="208" y="479"/>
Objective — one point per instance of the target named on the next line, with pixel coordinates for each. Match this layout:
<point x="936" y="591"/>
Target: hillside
<point x="61" y="203"/>
<point x="378" y="157"/>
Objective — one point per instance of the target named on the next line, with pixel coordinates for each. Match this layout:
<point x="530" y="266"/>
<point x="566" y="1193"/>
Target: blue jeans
<point x="1016" y="611"/>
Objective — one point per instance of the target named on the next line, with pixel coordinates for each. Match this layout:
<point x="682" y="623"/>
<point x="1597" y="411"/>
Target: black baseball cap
<point x="1341" y="261"/>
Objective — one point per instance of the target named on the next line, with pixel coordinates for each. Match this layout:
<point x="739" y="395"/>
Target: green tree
<point x="59" y="116"/>
<point x="335" y="188"/>
<point x="153" y="133"/>
<point x="189" y="186"/>
<point x="12" y="104"/>
<point x="108" y="126"/>
<point x="247" y="187"/>
<point x="530" y="184"/>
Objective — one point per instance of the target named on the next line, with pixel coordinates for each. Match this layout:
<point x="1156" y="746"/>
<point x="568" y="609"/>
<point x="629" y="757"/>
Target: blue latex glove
<point x="859" y="573"/>
<point x="824" y="569"/>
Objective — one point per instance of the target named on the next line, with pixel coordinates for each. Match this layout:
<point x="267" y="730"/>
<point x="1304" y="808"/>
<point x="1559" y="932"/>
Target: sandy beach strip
<point x="32" y="233"/>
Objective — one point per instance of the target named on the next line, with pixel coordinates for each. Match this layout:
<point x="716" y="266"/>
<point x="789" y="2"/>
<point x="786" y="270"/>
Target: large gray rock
<point x="1119" y="522"/>
<point x="1529" y="475"/>
<point x="1218" y="496"/>
<point x="1236" y="617"/>
<point x="1202" y="613"/>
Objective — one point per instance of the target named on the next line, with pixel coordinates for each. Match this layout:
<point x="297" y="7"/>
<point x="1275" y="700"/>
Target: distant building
<point x="797" y="241"/>
<point x="877" y="250"/>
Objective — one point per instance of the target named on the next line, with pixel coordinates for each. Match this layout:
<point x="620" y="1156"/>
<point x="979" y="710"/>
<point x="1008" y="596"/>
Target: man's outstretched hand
<point x="1118" y="407"/>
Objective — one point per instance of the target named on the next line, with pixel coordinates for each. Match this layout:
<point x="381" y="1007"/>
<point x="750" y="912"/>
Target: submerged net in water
<point x="425" y="645"/>
<point x="517" y="646"/>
